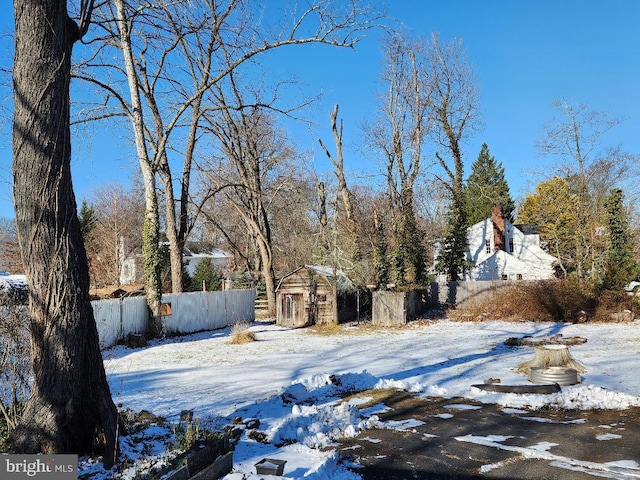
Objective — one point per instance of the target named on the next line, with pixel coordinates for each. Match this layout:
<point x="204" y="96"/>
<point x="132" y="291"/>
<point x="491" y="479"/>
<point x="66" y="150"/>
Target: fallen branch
<point x="492" y="387"/>
<point x="540" y="341"/>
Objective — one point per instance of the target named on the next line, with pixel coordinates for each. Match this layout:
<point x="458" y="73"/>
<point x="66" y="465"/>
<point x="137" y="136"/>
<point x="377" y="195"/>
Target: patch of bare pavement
<point x="457" y="439"/>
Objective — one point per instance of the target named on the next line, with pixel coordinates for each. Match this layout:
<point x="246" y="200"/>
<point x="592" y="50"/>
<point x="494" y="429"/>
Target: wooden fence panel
<point x="389" y="308"/>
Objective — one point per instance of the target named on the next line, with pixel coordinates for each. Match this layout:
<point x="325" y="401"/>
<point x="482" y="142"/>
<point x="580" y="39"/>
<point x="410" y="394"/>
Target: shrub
<point x="612" y="305"/>
<point x="546" y="300"/>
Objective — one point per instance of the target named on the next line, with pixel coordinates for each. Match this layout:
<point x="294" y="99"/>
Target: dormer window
<point x="487" y="246"/>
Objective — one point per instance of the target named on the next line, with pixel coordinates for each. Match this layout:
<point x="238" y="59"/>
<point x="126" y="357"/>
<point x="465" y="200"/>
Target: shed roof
<point x="344" y="283"/>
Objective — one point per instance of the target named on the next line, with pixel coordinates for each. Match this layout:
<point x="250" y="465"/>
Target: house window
<point x="288" y="307"/>
<point x="487" y="245"/>
<point x="505" y="277"/>
<point x="511" y="245"/>
<point x="519" y="276"/>
<point x="322" y="298"/>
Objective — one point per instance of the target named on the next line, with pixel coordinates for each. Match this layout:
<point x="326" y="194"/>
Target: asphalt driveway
<point x="458" y="439"/>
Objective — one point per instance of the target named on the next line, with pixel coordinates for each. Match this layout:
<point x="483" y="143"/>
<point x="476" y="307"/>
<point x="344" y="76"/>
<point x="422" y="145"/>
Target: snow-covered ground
<point x="218" y="381"/>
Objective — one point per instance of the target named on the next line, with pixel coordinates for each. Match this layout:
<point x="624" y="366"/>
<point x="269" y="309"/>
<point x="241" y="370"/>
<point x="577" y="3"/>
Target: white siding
<point x="528" y="261"/>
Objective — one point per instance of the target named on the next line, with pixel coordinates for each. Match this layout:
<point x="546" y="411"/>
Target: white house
<point x="132" y="271"/>
<point x="498" y="250"/>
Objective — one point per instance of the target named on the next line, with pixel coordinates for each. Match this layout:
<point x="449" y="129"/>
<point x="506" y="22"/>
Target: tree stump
<point x="551" y="356"/>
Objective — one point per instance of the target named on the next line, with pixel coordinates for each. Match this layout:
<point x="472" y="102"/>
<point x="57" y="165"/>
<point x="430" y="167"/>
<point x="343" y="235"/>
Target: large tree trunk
<point x="176" y="243"/>
<point x="266" y="262"/>
<point x="70" y="409"/>
<point x="150" y="249"/>
<point x="151" y="229"/>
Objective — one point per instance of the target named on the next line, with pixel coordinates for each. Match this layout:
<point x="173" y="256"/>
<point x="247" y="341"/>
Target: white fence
<point x="185" y="313"/>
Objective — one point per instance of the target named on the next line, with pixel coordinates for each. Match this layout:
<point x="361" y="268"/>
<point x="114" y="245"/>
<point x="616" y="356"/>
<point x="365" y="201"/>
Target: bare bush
<point x="15" y="362"/>
<point x="542" y="301"/>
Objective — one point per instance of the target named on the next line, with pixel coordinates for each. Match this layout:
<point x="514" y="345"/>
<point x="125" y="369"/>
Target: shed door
<point x="293" y="309"/>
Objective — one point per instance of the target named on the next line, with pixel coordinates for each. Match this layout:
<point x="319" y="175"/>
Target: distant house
<point x="498" y="250"/>
<point x="132" y="271"/>
<point x="305" y="297"/>
<point x="219" y="259"/>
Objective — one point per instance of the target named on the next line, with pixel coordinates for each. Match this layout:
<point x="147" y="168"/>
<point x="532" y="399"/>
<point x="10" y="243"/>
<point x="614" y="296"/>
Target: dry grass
<point x="240" y="334"/>
<point x="374" y="396"/>
<point x="329" y="329"/>
<point x="326" y="329"/>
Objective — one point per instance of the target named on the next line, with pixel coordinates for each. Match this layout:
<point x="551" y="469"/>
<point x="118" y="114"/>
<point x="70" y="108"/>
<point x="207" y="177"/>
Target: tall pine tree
<point x="487" y="188"/>
<point x="620" y="264"/>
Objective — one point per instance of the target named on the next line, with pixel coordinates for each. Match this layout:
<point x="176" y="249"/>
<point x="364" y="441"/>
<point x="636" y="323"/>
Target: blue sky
<point x="524" y="53"/>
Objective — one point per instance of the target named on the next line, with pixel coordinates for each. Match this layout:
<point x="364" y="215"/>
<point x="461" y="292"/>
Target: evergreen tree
<point x="87" y="217"/>
<point x="487" y="188"/>
<point x="381" y="263"/>
<point x="205" y="273"/>
<point x="451" y="259"/>
<point x="620" y="265"/>
<point x="409" y="256"/>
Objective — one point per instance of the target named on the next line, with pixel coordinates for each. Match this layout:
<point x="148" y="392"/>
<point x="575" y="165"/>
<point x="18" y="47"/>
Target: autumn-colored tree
<point x="553" y="209"/>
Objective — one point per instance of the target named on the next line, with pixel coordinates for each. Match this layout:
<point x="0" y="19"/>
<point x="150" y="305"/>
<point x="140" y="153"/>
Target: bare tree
<point x="399" y="135"/>
<point x="293" y="228"/>
<point x="343" y="189"/>
<point x="175" y="53"/>
<point x="70" y="408"/>
<point x="453" y="115"/>
<point x="117" y="231"/>
<point x="252" y="167"/>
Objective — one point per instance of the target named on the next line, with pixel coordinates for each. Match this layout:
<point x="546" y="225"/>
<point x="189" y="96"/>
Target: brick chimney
<point x="499" y="229"/>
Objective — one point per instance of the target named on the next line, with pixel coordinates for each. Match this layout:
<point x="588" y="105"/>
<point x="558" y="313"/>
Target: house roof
<point x="213" y="253"/>
<point x="528" y="228"/>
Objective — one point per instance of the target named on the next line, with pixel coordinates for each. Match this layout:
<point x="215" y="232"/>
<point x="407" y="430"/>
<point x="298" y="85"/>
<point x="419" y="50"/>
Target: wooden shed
<point x="305" y="297"/>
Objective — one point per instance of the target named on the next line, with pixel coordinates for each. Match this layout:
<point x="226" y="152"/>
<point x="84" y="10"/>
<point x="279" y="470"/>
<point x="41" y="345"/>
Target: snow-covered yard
<point x="218" y="381"/>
